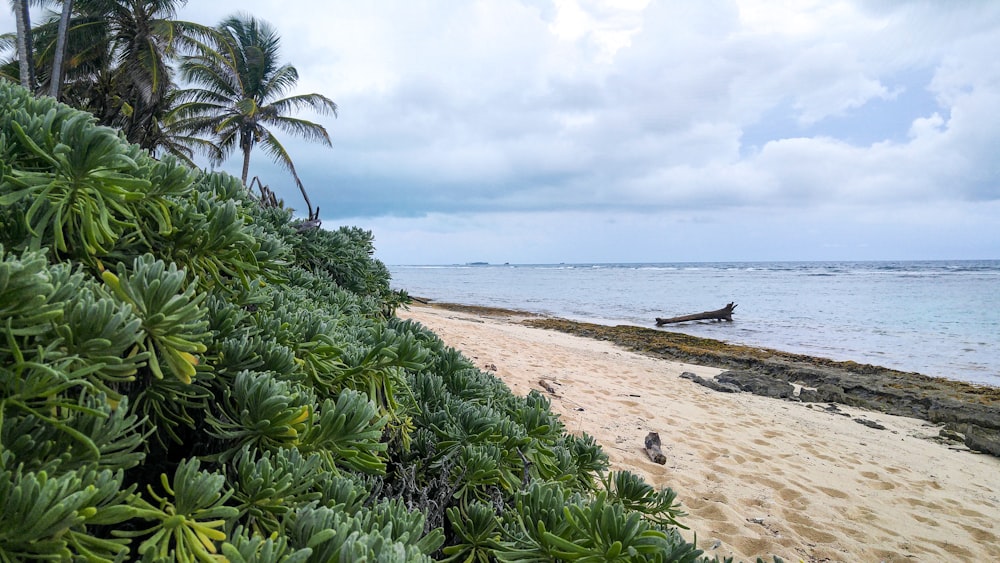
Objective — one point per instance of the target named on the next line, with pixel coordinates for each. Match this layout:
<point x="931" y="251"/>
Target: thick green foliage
<point x="171" y="318"/>
<point x="188" y="376"/>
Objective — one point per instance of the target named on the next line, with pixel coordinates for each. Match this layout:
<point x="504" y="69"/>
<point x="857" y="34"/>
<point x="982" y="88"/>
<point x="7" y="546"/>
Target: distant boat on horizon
<point x="477" y="263"/>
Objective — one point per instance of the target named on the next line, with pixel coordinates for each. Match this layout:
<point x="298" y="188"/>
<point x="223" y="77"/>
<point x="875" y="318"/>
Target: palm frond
<point x="301" y="128"/>
<point x="316" y="102"/>
<point x="273" y="148"/>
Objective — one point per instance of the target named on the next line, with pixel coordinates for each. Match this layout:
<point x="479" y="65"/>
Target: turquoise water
<point x="939" y="318"/>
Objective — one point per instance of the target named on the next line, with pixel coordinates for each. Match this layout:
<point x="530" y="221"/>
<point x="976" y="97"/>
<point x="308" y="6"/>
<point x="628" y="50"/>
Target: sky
<point x="586" y="131"/>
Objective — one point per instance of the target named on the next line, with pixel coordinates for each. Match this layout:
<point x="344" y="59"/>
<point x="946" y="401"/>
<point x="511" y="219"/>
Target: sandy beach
<point x="757" y="476"/>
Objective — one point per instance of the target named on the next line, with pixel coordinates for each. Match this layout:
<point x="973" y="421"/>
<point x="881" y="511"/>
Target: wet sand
<point x="757" y="476"/>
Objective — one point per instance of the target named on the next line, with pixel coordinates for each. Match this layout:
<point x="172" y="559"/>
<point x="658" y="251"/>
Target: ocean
<point x="938" y="318"/>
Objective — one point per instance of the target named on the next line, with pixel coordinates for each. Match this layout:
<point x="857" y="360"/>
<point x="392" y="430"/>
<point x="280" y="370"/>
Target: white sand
<point x="757" y="476"/>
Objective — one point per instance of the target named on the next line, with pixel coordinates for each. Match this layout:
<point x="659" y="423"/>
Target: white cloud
<point x="521" y="119"/>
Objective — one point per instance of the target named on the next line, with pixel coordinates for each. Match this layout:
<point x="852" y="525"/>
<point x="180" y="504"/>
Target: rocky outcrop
<point x="757" y="383"/>
<point x="970" y="410"/>
<point x="711" y="383"/>
<point x="982" y="439"/>
<point x="887" y="392"/>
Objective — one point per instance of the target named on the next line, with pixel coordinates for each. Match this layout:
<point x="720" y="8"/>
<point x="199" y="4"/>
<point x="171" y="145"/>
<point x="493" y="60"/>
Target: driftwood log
<point x="653" y="448"/>
<point x="723" y="314"/>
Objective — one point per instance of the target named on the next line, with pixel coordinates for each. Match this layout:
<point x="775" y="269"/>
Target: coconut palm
<point x="240" y="96"/>
<point x="144" y="40"/>
<point x="24" y="47"/>
<point x="58" y="62"/>
<point x="44" y="44"/>
<point x="119" y="59"/>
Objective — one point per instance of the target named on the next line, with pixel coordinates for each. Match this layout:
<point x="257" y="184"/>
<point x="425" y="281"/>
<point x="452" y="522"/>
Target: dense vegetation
<point x="185" y="375"/>
<point x="188" y="374"/>
<point x="119" y="59"/>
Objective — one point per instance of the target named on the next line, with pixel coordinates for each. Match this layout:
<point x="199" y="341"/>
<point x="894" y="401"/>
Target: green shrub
<point x="186" y="375"/>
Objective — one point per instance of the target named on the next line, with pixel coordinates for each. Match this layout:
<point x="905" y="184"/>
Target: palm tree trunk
<point x="24" y="47"/>
<point x="55" y="82"/>
<point x="246" y="164"/>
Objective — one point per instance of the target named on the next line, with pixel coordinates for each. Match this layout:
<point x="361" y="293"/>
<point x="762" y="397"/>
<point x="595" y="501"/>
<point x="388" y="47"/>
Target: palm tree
<point x="24" y="47"/>
<point x="123" y="53"/>
<point x="240" y="96"/>
<point x="58" y="61"/>
<point x="45" y="43"/>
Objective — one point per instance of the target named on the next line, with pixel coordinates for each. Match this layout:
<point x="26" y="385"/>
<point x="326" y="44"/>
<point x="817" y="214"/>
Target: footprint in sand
<point x="756" y="502"/>
<point x="980" y="535"/>
<point x="812" y="534"/>
<point x="970" y="513"/>
<point x="922" y="503"/>
<point x="790" y="495"/>
<point x="876" y="482"/>
<point x="954" y="551"/>
<point x="755" y="545"/>
<point x="709" y="456"/>
<point x="721" y="469"/>
<point x="835" y="493"/>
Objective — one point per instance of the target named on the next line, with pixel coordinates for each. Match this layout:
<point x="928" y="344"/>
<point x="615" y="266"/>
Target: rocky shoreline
<point x="967" y="413"/>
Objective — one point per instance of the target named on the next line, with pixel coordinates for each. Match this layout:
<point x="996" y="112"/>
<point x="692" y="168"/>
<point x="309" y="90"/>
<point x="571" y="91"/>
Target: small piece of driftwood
<point x="723" y="314"/>
<point x="653" y="448"/>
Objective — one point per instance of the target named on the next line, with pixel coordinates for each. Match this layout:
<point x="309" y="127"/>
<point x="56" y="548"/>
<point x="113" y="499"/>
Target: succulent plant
<point x="171" y="315"/>
<point x="154" y="319"/>
<point x="189" y="515"/>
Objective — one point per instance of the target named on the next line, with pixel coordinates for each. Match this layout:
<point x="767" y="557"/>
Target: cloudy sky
<point x="634" y="130"/>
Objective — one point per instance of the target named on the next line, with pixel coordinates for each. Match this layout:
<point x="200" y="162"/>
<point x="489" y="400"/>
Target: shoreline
<point x="970" y="411"/>
<point x="757" y="476"/>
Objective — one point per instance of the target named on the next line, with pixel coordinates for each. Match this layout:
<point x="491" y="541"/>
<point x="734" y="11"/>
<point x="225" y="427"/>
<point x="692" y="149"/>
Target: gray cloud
<point x="505" y="118"/>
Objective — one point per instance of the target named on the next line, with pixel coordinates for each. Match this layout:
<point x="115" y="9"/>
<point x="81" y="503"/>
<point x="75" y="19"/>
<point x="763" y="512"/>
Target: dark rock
<point x="824" y="393"/>
<point x="951" y="411"/>
<point x="711" y="383"/>
<point x="869" y="423"/>
<point x="958" y="404"/>
<point x="757" y="383"/>
<point x="834" y="409"/>
<point x="950" y="435"/>
<point x="983" y="439"/>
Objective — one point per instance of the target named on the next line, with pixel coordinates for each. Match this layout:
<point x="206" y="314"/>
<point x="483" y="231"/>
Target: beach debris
<point x="547" y="386"/>
<point x="490" y="367"/>
<point x="526" y="476"/>
<point x="723" y="314"/>
<point x="653" y="448"/>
